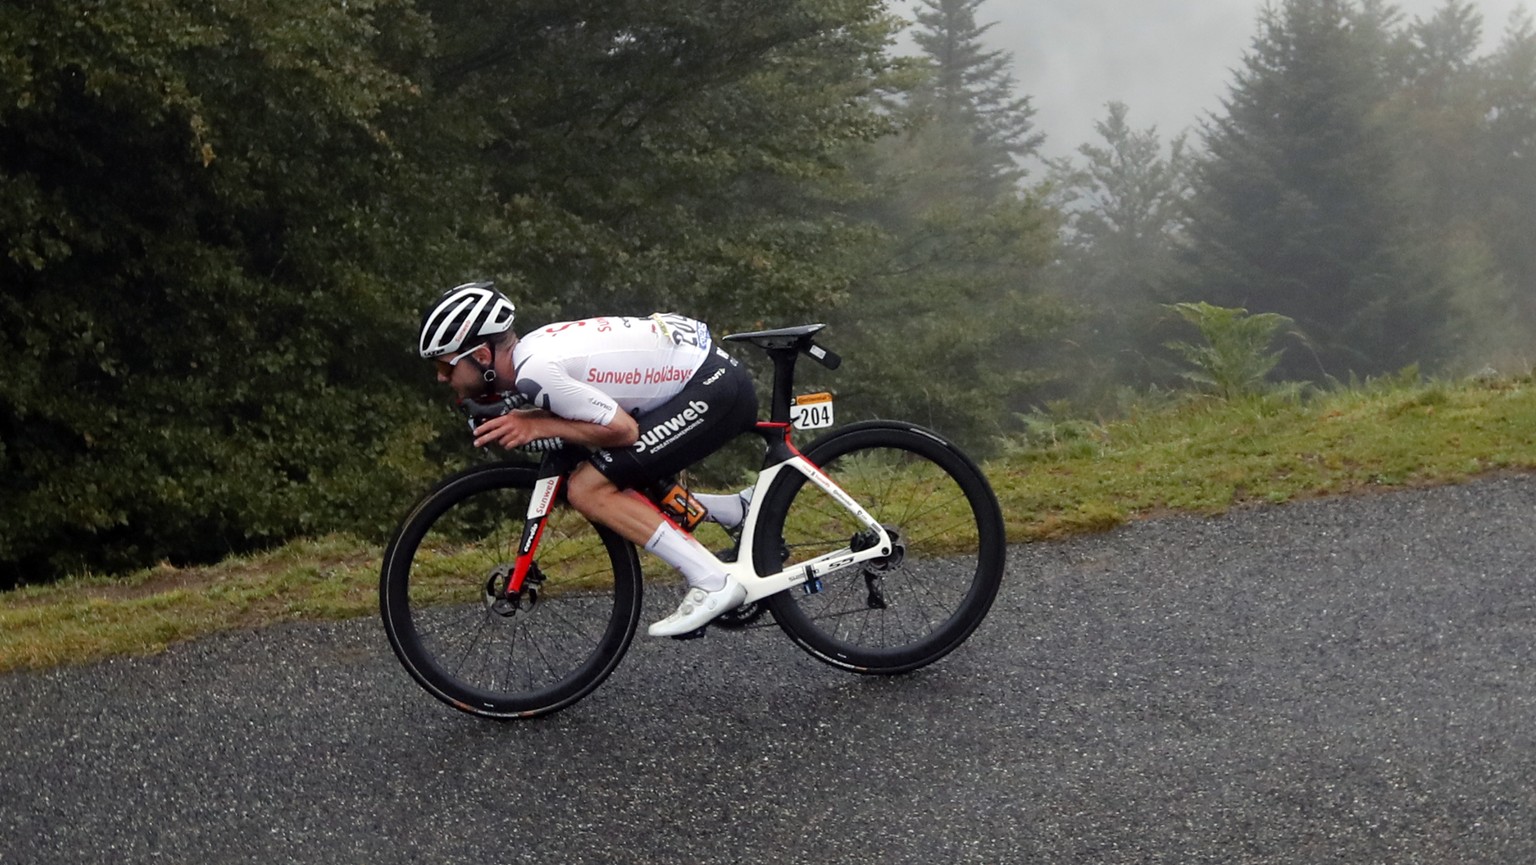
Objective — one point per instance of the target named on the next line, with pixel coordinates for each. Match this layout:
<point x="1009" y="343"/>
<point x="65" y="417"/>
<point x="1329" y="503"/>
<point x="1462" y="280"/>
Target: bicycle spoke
<point x="544" y="646"/>
<point x="918" y="492"/>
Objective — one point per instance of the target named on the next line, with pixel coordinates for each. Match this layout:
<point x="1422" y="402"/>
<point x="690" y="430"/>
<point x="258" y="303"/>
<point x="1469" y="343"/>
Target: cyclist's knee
<point x="587" y="489"/>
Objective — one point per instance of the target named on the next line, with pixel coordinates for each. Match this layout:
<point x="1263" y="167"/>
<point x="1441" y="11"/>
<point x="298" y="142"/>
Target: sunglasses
<point x="446" y="366"/>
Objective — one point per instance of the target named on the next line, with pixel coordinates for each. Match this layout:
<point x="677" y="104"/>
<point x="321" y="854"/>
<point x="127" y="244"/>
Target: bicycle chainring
<point x="741" y="617"/>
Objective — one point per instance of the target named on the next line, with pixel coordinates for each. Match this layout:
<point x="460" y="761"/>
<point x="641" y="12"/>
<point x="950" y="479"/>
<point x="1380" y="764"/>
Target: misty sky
<point x="1169" y="60"/>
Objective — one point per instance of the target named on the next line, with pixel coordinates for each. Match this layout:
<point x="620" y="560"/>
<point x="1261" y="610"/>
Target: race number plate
<point x="811" y="411"/>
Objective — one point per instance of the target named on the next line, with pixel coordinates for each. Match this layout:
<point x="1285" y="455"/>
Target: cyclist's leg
<point x="600" y="500"/>
<point x="716" y="405"/>
<point x="634" y="519"/>
<point x="727" y="509"/>
<point x="711" y="591"/>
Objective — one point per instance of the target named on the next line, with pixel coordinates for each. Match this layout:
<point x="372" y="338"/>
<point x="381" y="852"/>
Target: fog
<point x="1169" y="60"/>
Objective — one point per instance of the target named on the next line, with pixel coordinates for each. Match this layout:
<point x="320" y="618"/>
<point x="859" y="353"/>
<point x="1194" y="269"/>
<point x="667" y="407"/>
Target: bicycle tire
<point x="933" y="595"/>
<point x="562" y="641"/>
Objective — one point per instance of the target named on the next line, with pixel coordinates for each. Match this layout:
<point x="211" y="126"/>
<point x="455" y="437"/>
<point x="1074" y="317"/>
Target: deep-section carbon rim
<point x="529" y="655"/>
<point x="919" y="604"/>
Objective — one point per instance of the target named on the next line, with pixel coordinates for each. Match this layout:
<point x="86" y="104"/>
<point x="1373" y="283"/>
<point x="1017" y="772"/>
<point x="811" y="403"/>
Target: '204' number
<point x="812" y="411"/>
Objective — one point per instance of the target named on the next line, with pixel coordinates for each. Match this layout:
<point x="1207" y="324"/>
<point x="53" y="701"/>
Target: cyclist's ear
<point x="485" y="360"/>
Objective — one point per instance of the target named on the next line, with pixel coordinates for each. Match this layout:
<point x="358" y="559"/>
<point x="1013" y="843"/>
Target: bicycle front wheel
<point x="492" y="655"/>
<point x="913" y="607"/>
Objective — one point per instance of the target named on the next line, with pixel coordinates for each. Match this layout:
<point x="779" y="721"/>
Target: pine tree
<point x="971" y="92"/>
<point x="1442" y="103"/>
<point x="947" y="314"/>
<point x="1438" y="115"/>
<point x="1298" y="207"/>
<point x="1509" y="171"/>
<point x="1124" y="209"/>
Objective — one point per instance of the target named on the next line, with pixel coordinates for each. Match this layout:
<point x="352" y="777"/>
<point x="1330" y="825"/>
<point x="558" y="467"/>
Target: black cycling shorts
<point x="717" y="404"/>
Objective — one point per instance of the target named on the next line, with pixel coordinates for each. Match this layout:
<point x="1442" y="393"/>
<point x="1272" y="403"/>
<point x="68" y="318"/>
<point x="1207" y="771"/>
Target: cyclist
<point x="650" y="395"/>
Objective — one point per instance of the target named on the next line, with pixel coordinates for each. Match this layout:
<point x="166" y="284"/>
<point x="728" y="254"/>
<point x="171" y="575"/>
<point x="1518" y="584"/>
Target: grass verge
<point x="1201" y="457"/>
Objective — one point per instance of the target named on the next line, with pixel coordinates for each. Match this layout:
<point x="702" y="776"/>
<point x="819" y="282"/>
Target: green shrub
<point x="1235" y="357"/>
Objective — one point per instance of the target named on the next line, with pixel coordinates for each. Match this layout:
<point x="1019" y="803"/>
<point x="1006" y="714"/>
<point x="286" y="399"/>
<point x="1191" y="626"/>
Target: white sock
<point x="727" y="509"/>
<point x="687" y="555"/>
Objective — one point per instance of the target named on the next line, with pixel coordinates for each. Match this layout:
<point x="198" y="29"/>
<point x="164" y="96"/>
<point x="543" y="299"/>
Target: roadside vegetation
<point x="219" y="222"/>
<point x="1067" y="476"/>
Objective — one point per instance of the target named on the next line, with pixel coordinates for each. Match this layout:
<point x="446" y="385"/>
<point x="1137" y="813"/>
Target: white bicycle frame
<point x="762" y="585"/>
<point x="542" y="503"/>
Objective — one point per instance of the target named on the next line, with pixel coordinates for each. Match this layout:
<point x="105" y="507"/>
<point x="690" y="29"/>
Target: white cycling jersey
<point x="591" y="369"/>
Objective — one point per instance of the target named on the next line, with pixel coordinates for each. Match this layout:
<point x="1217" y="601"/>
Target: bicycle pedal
<point x="692" y="635"/>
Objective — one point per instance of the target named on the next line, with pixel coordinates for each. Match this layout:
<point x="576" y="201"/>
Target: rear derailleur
<point x="876" y="569"/>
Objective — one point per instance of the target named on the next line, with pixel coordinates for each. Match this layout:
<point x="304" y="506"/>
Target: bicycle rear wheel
<point x="533" y="654"/>
<point x="911" y="608"/>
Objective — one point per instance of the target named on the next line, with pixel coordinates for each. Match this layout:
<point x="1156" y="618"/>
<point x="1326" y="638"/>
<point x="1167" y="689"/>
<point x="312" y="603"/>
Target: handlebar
<point x="479" y="411"/>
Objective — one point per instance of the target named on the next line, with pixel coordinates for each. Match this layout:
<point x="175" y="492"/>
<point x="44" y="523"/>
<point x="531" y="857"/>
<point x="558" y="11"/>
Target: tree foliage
<point x="220" y="221"/>
<point x="945" y="316"/>
<point x="1369" y="176"/>
<point x="1298" y="208"/>
<point x="200" y="207"/>
<point x="1500" y="319"/>
<point x="672" y="154"/>
<point x="1124" y="206"/>
<point x="970" y="95"/>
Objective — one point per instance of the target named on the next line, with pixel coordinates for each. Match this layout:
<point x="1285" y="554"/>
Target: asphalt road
<point x="1339" y="681"/>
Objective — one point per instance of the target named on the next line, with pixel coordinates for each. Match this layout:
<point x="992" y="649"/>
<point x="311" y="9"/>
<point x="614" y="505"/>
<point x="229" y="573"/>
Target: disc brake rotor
<point x="498" y="601"/>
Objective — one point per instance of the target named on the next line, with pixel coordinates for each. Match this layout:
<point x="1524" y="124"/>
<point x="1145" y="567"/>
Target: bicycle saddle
<point x="782" y="337"/>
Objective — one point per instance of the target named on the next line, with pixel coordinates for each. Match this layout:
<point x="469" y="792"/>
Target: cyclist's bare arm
<point x="594" y="495"/>
<point x="517" y="428"/>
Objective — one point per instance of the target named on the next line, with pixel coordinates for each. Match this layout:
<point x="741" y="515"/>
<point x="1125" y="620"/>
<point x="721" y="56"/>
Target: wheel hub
<point x="888" y="562"/>
<point x="499" y="602"/>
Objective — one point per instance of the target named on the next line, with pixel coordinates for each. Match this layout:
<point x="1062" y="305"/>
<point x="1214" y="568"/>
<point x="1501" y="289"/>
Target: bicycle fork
<point x="506" y="599"/>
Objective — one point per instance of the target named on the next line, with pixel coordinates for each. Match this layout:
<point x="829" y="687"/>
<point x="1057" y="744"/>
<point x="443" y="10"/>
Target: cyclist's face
<point x="465" y="378"/>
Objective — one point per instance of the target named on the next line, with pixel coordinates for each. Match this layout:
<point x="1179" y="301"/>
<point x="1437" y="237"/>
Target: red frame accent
<point x="525" y="560"/>
<point x="525" y="557"/>
<point x="788" y="428"/>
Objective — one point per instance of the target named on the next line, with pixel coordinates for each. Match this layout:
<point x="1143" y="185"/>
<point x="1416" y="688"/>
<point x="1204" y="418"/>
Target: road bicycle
<point x="878" y="549"/>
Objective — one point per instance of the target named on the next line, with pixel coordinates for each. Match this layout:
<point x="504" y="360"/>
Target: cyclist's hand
<point x="512" y="430"/>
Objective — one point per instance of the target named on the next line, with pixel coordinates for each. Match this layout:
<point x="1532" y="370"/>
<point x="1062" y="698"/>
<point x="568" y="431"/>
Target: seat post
<point x="783" y="381"/>
<point x="784" y="346"/>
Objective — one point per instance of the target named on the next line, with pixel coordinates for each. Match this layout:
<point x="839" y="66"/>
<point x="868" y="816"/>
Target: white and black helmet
<point x="463" y="317"/>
